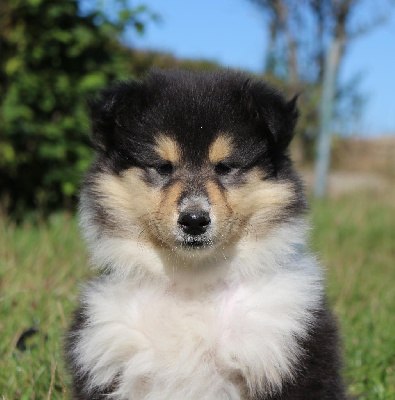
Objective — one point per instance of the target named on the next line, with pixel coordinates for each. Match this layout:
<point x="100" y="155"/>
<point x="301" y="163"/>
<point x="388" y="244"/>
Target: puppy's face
<point x="192" y="163"/>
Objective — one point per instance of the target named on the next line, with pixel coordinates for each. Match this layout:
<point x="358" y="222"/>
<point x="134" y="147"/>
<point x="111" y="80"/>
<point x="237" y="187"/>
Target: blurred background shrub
<point x="51" y="58"/>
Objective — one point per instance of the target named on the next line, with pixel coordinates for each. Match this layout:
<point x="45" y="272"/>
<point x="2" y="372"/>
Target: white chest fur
<point x="228" y="341"/>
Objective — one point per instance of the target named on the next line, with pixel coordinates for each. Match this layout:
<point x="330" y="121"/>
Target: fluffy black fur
<point x="193" y="108"/>
<point x="80" y="382"/>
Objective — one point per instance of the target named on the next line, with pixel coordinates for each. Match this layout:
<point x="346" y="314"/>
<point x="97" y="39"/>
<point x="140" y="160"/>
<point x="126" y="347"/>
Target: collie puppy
<point x="196" y="218"/>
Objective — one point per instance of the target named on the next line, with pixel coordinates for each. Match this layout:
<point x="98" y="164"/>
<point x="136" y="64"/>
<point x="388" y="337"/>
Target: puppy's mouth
<point x="196" y="243"/>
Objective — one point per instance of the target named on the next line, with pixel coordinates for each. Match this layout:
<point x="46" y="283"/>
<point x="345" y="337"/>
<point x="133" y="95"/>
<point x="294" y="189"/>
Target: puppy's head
<point x="191" y="162"/>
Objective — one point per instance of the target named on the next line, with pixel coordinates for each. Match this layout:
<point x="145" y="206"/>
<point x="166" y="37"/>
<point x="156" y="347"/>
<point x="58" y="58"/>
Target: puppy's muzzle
<point x="194" y="222"/>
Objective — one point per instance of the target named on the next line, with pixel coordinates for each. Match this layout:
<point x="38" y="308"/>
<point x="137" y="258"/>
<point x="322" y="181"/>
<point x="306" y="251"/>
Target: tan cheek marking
<point x="164" y="217"/>
<point x="168" y="149"/>
<point x="126" y="196"/>
<point x="217" y="197"/>
<point x="170" y="198"/>
<point x="220" y="149"/>
<point x="260" y="198"/>
<point x="228" y="223"/>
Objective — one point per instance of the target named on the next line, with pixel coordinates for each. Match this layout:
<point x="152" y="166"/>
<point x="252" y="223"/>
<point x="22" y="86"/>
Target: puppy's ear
<point x="112" y="109"/>
<point x="274" y="114"/>
<point x="286" y="129"/>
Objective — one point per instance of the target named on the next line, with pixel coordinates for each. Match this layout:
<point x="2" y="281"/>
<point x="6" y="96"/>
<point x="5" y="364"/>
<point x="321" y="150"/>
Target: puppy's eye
<point x="164" y="169"/>
<point x="223" y="169"/>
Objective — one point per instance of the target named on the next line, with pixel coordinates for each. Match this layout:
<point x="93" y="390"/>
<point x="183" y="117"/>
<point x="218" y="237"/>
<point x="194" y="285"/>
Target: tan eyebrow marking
<point x="220" y="149"/>
<point x="168" y="149"/>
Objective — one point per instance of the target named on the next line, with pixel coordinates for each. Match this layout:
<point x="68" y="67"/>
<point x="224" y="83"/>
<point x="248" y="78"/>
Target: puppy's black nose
<point x="194" y="222"/>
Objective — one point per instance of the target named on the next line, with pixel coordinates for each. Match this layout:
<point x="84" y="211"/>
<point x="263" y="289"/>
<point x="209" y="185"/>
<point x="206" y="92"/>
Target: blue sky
<point x="233" y="33"/>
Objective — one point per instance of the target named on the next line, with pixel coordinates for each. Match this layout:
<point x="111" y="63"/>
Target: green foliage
<point x="141" y="61"/>
<point x="51" y="58"/>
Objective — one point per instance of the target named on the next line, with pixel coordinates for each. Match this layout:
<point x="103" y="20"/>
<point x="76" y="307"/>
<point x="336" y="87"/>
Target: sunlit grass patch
<point x="355" y="236"/>
<point x="40" y="268"/>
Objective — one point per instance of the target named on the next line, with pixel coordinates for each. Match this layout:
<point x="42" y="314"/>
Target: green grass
<point x="356" y="239"/>
<point x="41" y="267"/>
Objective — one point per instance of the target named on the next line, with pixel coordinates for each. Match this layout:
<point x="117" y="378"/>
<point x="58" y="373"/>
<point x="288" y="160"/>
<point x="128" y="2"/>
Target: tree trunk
<point x="326" y="115"/>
